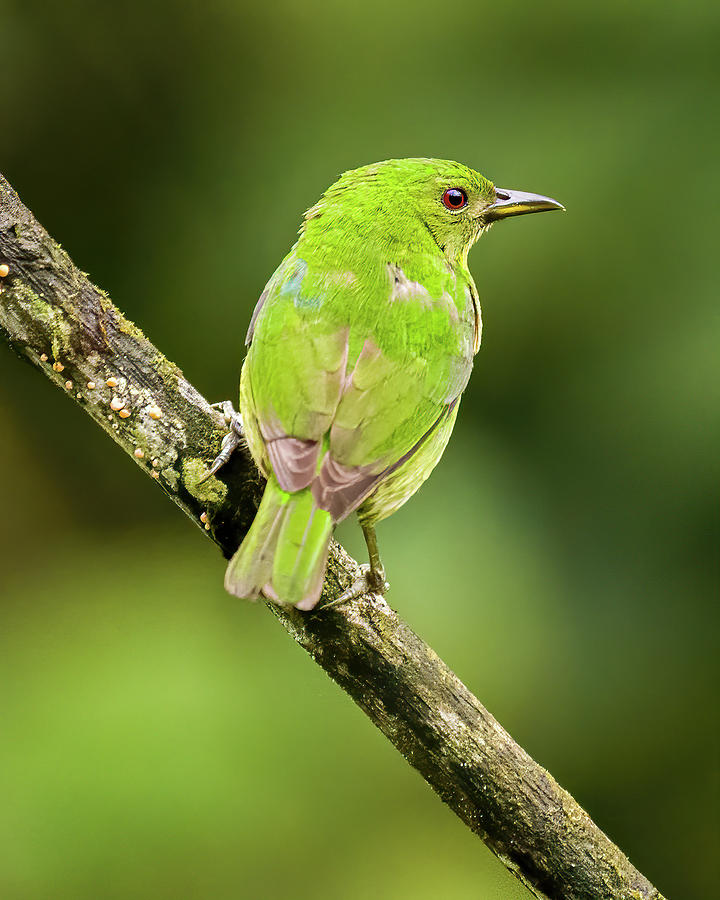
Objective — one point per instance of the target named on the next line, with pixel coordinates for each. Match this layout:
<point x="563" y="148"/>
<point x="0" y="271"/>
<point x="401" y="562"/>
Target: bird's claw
<point x="230" y="442"/>
<point x="370" y="581"/>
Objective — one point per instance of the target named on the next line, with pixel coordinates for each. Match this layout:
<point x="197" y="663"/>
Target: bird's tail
<point x="285" y="552"/>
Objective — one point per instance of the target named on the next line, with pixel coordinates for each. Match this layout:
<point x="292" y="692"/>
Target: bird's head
<point x="398" y="199"/>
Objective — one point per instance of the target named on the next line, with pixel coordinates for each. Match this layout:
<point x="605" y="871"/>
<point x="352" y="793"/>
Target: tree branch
<point x="52" y="315"/>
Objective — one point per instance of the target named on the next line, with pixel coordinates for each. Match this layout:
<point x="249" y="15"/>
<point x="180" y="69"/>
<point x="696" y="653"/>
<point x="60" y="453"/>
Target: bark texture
<point x="53" y="316"/>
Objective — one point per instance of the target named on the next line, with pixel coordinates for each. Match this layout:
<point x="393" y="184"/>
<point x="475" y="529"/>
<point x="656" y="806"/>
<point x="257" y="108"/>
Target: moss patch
<point x="167" y="370"/>
<point x="210" y="491"/>
<point x="51" y="318"/>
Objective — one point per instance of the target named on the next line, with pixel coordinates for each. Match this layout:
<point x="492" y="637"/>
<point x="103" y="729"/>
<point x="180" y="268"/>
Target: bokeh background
<point x="162" y="740"/>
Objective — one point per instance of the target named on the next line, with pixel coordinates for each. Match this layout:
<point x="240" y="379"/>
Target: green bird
<point x="360" y="348"/>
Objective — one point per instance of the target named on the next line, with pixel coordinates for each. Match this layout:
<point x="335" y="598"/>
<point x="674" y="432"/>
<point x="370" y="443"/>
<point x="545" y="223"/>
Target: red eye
<point x="454" y="198"/>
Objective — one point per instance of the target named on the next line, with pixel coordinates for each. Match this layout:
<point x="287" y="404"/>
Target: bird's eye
<point x="454" y="199"/>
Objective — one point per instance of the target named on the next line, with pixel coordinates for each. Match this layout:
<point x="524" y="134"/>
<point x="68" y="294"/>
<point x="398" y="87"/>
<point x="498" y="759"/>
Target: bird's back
<point x="361" y="346"/>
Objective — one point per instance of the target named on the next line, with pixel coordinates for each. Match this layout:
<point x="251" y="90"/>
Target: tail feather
<point x="251" y="565"/>
<point x="285" y="552"/>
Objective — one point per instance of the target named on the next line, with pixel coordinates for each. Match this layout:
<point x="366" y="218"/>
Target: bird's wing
<point x="388" y="409"/>
<point x="342" y="428"/>
<point x="294" y="373"/>
<point x="389" y="403"/>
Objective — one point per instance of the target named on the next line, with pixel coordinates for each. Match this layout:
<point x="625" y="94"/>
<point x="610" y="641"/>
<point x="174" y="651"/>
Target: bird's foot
<point x="370" y="581"/>
<point x="231" y="440"/>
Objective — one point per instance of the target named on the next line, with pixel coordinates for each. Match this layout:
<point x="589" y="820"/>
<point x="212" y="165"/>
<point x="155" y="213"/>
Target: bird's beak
<point x="517" y="203"/>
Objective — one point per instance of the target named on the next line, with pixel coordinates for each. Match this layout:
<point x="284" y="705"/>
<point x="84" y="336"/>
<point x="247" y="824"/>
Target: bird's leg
<point x="231" y="440"/>
<point x="376" y="573"/>
<point x="372" y="577"/>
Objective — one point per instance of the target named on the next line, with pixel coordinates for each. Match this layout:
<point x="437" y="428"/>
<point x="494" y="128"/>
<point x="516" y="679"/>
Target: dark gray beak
<point x="517" y="203"/>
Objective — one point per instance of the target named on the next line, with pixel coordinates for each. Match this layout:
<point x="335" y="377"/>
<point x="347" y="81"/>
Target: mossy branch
<point x="52" y="315"/>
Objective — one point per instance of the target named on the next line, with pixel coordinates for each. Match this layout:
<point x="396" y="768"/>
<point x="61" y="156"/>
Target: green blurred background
<point x="162" y="740"/>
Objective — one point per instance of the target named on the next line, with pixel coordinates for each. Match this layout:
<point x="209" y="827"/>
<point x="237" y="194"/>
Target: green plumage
<point x="359" y="350"/>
